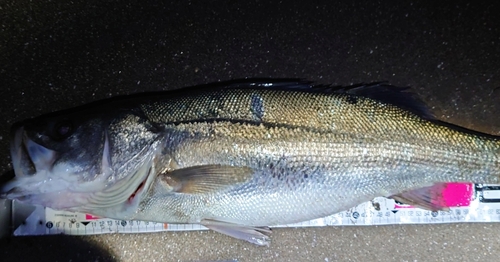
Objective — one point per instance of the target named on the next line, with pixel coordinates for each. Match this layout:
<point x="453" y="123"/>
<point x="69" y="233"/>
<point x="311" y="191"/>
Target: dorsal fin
<point x="380" y="91"/>
<point x="385" y="93"/>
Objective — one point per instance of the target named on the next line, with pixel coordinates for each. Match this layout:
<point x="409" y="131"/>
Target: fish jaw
<point x="22" y="157"/>
<point x="56" y="193"/>
<point x="38" y="182"/>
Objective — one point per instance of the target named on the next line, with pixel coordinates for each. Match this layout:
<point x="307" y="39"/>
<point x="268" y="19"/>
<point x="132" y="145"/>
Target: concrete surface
<point x="57" y="54"/>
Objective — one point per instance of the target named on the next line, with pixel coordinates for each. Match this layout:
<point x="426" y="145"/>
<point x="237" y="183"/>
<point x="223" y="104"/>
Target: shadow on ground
<point x="52" y="248"/>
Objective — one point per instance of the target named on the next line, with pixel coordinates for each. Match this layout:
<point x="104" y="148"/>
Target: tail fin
<point x="440" y="196"/>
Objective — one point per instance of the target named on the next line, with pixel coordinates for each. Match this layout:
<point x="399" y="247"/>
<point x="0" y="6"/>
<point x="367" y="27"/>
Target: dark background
<point x="58" y="54"/>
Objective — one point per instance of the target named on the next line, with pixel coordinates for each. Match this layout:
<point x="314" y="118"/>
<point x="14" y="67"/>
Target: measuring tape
<point x="468" y="202"/>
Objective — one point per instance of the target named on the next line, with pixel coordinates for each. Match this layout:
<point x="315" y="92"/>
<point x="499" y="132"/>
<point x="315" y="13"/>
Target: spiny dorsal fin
<point x="380" y="91"/>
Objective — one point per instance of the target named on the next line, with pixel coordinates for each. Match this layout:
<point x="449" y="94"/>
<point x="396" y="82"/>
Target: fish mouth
<point x="29" y="157"/>
<point x="39" y="181"/>
<point x="31" y="162"/>
<point x="34" y="181"/>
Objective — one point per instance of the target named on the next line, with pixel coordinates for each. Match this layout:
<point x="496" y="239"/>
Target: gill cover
<point x="89" y="159"/>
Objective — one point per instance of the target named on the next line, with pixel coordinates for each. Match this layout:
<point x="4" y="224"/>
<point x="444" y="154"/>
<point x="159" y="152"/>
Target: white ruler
<point x="471" y="203"/>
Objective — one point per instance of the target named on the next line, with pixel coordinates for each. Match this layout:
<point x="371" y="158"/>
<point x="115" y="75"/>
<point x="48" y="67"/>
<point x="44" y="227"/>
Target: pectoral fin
<point x="254" y="235"/>
<point x="206" y="179"/>
<point x="429" y="198"/>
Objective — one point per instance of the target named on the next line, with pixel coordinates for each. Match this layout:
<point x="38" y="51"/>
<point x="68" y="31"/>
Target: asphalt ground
<point x="58" y="54"/>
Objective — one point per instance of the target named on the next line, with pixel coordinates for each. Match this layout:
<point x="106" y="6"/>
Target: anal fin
<point x="254" y="235"/>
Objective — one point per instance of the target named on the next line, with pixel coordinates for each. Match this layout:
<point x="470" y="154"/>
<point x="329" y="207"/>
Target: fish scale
<point x="352" y="172"/>
<point x="239" y="158"/>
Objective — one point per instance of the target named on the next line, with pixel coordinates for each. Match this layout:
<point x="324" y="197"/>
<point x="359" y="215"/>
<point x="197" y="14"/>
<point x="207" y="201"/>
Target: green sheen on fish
<point x="240" y="156"/>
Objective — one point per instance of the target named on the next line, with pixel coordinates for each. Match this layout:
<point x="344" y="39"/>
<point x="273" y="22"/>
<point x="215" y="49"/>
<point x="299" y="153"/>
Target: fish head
<point x="90" y="160"/>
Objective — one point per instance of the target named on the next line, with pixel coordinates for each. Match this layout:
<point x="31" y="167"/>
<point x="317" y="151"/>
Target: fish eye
<point x="62" y="130"/>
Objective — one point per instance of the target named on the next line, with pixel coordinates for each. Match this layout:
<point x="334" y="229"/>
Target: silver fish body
<point x="312" y="155"/>
<point x="246" y="156"/>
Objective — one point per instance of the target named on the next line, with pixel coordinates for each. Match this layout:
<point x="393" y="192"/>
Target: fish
<point x="242" y="156"/>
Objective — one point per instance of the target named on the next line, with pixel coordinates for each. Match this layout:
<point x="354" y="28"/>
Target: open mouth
<point x="38" y="180"/>
<point x="35" y="181"/>
<point x="32" y="163"/>
<point x="28" y="157"/>
<point x="19" y="154"/>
